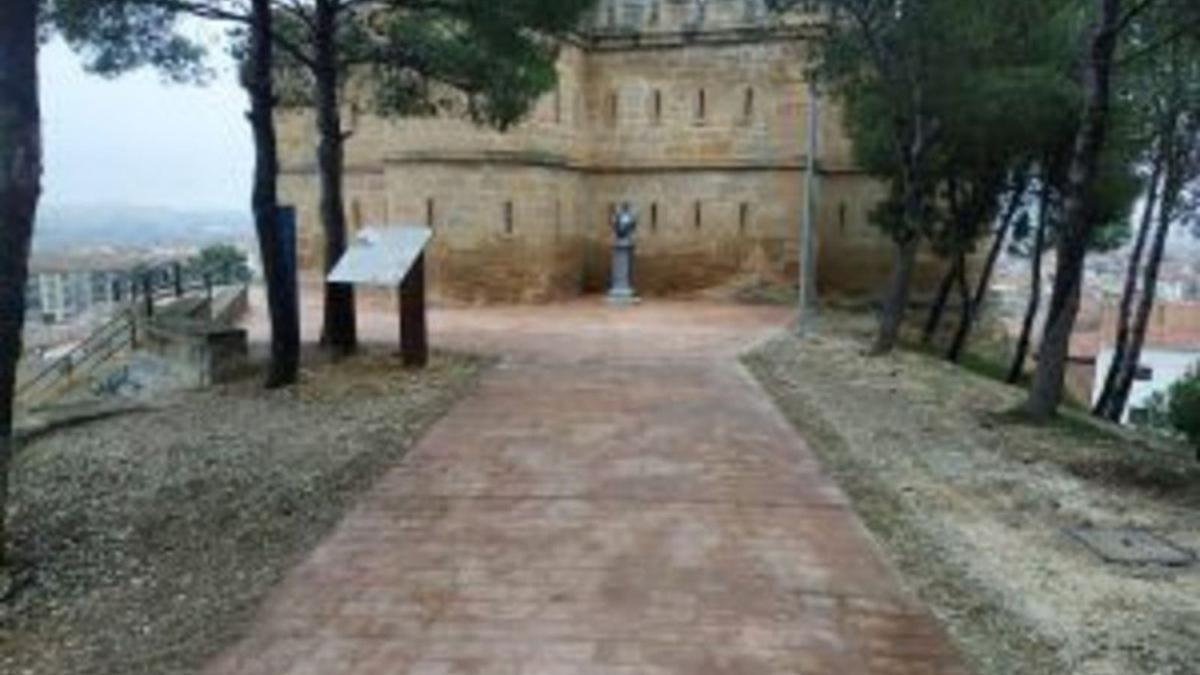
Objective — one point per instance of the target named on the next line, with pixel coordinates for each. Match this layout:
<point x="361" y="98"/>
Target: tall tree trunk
<point x="1120" y="348"/>
<point x="339" y="331"/>
<point x="281" y="305"/>
<point x="1129" y="366"/>
<point x="896" y="299"/>
<point x="907" y="242"/>
<point x="1034" y="304"/>
<point x="989" y="268"/>
<point x="966" y="311"/>
<point x="998" y="241"/>
<point x="20" y="188"/>
<point x="938" y="309"/>
<point x="968" y="216"/>
<point x="1046" y="392"/>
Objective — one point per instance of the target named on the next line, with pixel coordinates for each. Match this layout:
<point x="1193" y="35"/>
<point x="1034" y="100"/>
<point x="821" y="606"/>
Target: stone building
<point x="695" y="111"/>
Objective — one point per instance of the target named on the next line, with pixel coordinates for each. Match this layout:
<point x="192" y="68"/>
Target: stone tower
<point x="694" y="111"/>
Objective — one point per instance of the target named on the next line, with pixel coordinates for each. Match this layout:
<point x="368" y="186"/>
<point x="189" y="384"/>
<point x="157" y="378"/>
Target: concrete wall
<point x="195" y="356"/>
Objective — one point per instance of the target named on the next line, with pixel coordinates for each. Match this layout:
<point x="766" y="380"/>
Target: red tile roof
<point x="1174" y="325"/>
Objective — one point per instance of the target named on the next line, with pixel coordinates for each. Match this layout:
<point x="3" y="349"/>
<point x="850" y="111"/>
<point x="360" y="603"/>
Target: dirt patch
<point x="972" y="506"/>
<point x="144" y="544"/>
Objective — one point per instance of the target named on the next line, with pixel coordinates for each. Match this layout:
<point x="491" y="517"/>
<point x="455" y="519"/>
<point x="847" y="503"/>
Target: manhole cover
<point x="1132" y="546"/>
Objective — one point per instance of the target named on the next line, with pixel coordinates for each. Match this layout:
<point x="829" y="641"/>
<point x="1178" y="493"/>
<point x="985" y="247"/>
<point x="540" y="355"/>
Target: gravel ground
<point x="971" y="505"/>
<point x="144" y="543"/>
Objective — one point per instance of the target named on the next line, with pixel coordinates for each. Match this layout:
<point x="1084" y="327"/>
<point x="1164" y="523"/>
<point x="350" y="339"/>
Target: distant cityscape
<point x="68" y="229"/>
<point x="85" y="258"/>
<point x="1179" y="276"/>
<point x="1173" y="335"/>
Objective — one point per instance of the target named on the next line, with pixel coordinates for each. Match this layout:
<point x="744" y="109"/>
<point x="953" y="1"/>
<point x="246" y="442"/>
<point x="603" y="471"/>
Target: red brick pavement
<point x="617" y="498"/>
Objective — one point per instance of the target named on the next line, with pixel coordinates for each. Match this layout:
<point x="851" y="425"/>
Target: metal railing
<point x="171" y="279"/>
<point x="118" y="334"/>
<point x="106" y="342"/>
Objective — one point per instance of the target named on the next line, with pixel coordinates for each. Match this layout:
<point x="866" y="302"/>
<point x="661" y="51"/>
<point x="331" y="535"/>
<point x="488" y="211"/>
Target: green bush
<point x="224" y="263"/>
<point x="1183" y="407"/>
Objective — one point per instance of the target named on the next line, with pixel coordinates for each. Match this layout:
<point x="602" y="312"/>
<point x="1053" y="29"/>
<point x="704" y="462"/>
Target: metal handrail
<point x="120" y="331"/>
<point x="66" y="361"/>
<point x="98" y="348"/>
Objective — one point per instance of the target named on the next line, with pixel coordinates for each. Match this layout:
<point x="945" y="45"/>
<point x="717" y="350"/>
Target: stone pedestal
<point x="621" y="291"/>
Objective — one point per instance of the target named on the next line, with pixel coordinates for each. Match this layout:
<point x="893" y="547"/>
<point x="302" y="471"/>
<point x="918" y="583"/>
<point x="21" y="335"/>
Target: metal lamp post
<point x="808" y="276"/>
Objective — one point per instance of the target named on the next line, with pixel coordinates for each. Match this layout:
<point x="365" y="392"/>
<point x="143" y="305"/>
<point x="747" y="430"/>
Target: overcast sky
<point x="139" y="141"/>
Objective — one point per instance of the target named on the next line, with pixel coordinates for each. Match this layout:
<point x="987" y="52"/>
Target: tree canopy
<point x="962" y="106"/>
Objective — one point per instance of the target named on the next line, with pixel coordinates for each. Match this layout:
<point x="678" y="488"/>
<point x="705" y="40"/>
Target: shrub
<point x="223" y="262"/>
<point x="1183" y="407"/>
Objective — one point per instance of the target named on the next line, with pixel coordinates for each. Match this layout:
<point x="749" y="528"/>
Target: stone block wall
<point x="695" y="112"/>
<point x="698" y="227"/>
<point x="698" y="103"/>
<point x="503" y="232"/>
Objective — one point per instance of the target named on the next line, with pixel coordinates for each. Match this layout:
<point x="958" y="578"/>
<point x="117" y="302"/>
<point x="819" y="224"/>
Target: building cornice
<point x="539" y="160"/>
<point x="632" y="40"/>
<point x="635" y="41"/>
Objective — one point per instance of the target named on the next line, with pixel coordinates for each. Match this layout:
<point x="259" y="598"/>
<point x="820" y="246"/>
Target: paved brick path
<point x="618" y="497"/>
